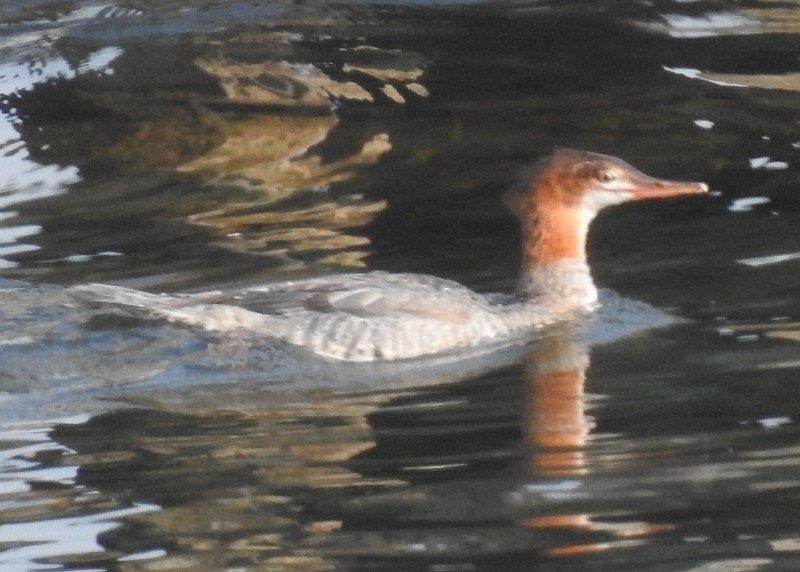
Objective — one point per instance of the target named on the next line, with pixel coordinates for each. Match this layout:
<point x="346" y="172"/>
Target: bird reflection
<point x="557" y="429"/>
<point x="555" y="424"/>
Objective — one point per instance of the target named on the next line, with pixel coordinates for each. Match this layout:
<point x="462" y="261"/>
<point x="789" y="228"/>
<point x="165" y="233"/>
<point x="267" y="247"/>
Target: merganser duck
<point x="382" y="316"/>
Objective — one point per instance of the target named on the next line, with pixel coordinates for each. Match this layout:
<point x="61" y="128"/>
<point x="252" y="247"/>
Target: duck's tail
<point x="131" y="301"/>
<point x="190" y="309"/>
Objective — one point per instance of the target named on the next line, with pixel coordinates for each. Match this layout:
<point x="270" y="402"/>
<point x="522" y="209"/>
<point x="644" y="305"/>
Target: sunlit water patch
<point x="24" y="179"/>
<point x="40" y="523"/>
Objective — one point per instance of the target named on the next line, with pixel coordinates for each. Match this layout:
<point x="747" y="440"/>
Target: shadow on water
<point x="185" y="146"/>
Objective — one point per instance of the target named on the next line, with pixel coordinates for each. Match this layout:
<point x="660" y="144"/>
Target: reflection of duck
<point x="380" y="316"/>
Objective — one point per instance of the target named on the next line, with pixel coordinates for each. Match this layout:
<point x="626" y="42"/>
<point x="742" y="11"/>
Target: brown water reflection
<point x="238" y="130"/>
<point x="242" y="133"/>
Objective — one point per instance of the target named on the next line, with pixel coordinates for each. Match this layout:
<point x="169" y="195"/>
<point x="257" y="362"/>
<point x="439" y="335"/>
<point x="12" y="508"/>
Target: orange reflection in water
<point x="557" y="428"/>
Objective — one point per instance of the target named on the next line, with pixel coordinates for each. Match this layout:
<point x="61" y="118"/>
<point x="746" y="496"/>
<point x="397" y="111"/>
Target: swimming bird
<point x="377" y="315"/>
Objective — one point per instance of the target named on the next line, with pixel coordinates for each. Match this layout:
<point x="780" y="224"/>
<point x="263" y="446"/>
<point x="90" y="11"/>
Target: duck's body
<point x="382" y="316"/>
<point x="352" y="317"/>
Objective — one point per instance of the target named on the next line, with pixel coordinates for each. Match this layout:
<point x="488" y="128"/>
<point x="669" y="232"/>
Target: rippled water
<point x="185" y="145"/>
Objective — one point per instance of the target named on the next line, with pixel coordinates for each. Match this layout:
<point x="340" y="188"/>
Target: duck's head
<point x="588" y="182"/>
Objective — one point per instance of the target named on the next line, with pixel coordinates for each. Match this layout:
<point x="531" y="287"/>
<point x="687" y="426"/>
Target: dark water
<point x="177" y="146"/>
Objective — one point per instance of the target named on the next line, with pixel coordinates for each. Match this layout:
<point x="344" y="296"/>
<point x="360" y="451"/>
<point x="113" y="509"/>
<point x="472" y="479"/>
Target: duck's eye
<point x="606" y="177"/>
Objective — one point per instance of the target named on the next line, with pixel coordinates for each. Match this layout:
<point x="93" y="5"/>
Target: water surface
<point x="191" y="146"/>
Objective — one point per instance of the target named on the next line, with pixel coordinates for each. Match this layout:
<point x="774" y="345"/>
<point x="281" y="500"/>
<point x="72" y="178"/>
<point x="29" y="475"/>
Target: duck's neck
<point x="554" y="265"/>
